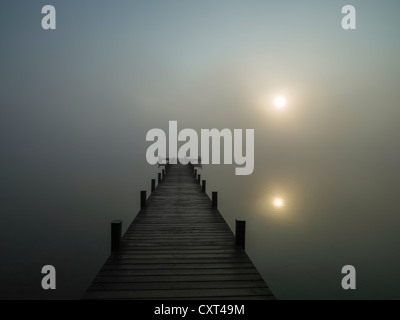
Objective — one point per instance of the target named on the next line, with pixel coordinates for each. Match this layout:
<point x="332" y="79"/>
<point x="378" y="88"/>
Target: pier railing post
<point x="199" y="178"/>
<point x="163" y="173"/>
<point x="159" y="178"/>
<point x="143" y="196"/>
<point x="214" y="202"/>
<point x="116" y="234"/>
<point x="203" y="187"/>
<point x="153" y="184"/>
<point x="240" y="233"/>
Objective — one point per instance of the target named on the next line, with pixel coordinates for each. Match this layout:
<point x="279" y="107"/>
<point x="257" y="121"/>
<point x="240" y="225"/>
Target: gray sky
<point x="76" y="103"/>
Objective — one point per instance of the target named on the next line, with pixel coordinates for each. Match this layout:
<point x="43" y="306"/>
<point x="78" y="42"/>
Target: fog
<point x="76" y="104"/>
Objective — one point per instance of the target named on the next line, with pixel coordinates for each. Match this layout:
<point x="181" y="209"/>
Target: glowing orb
<point x="278" y="202"/>
<point x="280" y="102"/>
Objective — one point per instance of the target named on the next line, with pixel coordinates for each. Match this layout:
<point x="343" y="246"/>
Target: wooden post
<point x="153" y="184"/>
<point x="214" y="202"/>
<point x="143" y="199"/>
<point x="163" y="173"/>
<point x="240" y="233"/>
<point x="159" y="178"/>
<point x="116" y="234"/>
<point x="203" y="187"/>
<point x="195" y="173"/>
<point x="199" y="178"/>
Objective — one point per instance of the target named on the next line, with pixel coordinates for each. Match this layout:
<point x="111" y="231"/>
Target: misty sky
<point x="76" y="104"/>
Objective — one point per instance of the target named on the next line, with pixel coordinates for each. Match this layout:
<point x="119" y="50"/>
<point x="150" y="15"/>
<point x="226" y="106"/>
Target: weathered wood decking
<point x="178" y="247"/>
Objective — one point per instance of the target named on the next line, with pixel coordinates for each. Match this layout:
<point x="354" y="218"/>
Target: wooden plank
<point x="161" y="264"/>
<point x="193" y="271"/>
<point x="179" y="255"/>
<point x="183" y="247"/>
<point x="176" y="260"/>
<point x="159" y="250"/>
<point x="183" y="294"/>
<point x="180" y="278"/>
<point x="131" y="286"/>
<point x="177" y="242"/>
<point x="173" y="237"/>
<point x="239" y="298"/>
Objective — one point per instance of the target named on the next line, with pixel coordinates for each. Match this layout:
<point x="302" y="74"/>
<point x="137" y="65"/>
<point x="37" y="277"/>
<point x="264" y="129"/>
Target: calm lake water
<point x="298" y="248"/>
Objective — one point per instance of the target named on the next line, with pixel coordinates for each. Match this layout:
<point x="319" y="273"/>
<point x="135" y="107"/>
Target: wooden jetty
<point x="178" y="247"/>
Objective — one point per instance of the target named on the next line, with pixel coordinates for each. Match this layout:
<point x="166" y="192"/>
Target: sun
<point x="280" y="102"/>
<point x="278" y="202"/>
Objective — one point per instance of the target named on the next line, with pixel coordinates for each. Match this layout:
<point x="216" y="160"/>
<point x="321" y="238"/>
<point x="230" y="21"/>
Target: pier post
<point x="159" y="178"/>
<point x="195" y="173"/>
<point x="199" y="178"/>
<point x="240" y="233"/>
<point x="203" y="187"/>
<point x="143" y="197"/>
<point x="116" y="234"/>
<point x="153" y="184"/>
<point x="163" y="173"/>
<point x="214" y="202"/>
